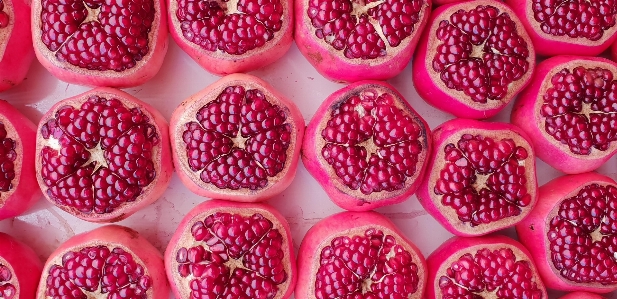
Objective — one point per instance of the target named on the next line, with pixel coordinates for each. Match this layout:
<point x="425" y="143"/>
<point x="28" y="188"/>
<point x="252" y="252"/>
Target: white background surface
<point x="304" y="203"/>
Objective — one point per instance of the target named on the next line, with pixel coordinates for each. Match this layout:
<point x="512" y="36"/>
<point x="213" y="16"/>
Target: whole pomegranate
<point x="116" y="43"/>
<point x="223" y="249"/>
<point x="481" y="178"/>
<point x="474" y="57"/>
<point x="581" y="295"/>
<point x="110" y="262"/>
<point x="103" y="155"/>
<point x="366" y="146"/>
<point x="483" y="267"/>
<point x="20" y="269"/>
<point x="359" y="255"/>
<point x="238" y="139"/>
<point x="568" y="111"/>
<point x="572" y="233"/>
<point x="358" y="40"/>
<point x="16" y="52"/>
<point x="575" y="27"/>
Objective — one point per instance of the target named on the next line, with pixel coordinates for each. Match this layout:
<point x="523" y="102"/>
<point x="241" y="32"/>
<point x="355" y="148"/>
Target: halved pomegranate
<point x="483" y="267"/>
<point x="103" y="155"/>
<point x="238" y="139"/>
<point x="235" y="36"/>
<point x="575" y="27"/>
<point x="572" y="233"/>
<point x="20" y="269"/>
<point x="582" y="295"/>
<point x="117" y="43"/>
<point x="223" y="249"/>
<point x="359" y="255"/>
<point x="481" y="178"/>
<point x="111" y="262"/>
<point x="474" y="57"/>
<point x="569" y="112"/>
<point x="359" y="40"/>
<point x="16" y="52"/>
<point x="366" y="146"/>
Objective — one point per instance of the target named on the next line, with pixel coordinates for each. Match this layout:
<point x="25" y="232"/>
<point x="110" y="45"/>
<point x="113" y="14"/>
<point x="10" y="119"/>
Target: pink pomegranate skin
<point x="581" y="295"/>
<point x="24" y="265"/>
<point x="354" y="225"/>
<point x="533" y="230"/>
<point x="454" y="248"/>
<point x="16" y="52"/>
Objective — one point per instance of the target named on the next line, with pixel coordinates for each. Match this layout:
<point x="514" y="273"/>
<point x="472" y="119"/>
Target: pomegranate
<point x="223" y="249"/>
<point x="366" y="146"/>
<point x="582" y="295"/>
<point x="20" y="269"/>
<point x="483" y="267"/>
<point x="103" y="155"/>
<point x="238" y="139"/>
<point x="359" y="255"/>
<point x="569" y="112"/>
<point x="571" y="233"/>
<point x="109" y="262"/>
<point x="474" y="57"/>
<point x="358" y="40"/>
<point x="117" y="43"/>
<point x="16" y="52"/>
<point x="17" y="176"/>
<point x="576" y="27"/>
<point x="481" y="178"/>
<point x="236" y="36"/>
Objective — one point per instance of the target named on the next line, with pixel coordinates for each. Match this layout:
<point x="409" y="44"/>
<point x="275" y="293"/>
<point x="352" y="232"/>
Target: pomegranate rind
<point x="526" y="114"/>
<point x="532" y="231"/>
<point x="114" y="236"/>
<point x="551" y="45"/>
<point x="186" y="112"/>
<point x="451" y="250"/>
<point x="24" y="264"/>
<point x="16" y="52"/>
<point x="349" y="224"/>
<point x="182" y="238"/>
<point x="161" y="155"/>
<point x="451" y="132"/>
<point x="581" y="295"/>
<point x="221" y="63"/>
<point x="435" y="92"/>
<point x="332" y="63"/>
<point x="22" y="195"/>
<point x="318" y="167"/>
<point x="143" y="70"/>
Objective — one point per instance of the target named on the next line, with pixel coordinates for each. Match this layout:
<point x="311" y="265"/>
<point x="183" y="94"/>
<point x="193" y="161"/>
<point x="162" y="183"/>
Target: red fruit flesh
<point x="474" y="57"/>
<point x="231" y="250"/>
<point x="483" y="267"/>
<point x="582" y="295"/>
<point x="481" y="177"/>
<point x="16" y="52"/>
<point x="366" y="146"/>
<point x="359" y="255"/>
<point x="103" y="155"/>
<point x="20" y="269"/>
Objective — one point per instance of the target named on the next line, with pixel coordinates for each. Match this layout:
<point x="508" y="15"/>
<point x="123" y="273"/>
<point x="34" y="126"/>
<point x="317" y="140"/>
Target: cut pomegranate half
<point x="103" y="155"/>
<point x="481" y="178"/>
<point x="572" y="233"/>
<point x="359" y="255"/>
<point x="223" y="249"/>
<point x="582" y="295"/>
<point x="16" y="52"/>
<point x="483" y="267"/>
<point x="238" y="139"/>
<point x="366" y="146"/>
<point x="20" y="269"/>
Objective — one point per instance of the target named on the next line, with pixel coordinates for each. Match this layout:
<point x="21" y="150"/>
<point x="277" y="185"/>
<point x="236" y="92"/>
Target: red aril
<point x="572" y="233"/>
<point x="16" y="52"/>
<point x="223" y="249"/>
<point x="575" y="27"/>
<point x="117" y="43"/>
<point x="110" y="262"/>
<point x="582" y="295"/>
<point x="103" y="155"/>
<point x="366" y="146"/>
<point x="358" y="40"/>
<point x="481" y="178"/>
<point x="483" y="267"/>
<point x="20" y="269"/>
<point x="473" y="58"/>
<point x="568" y="111"/>
<point x="238" y="139"/>
<point x="236" y="36"/>
<point x="359" y="255"/>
